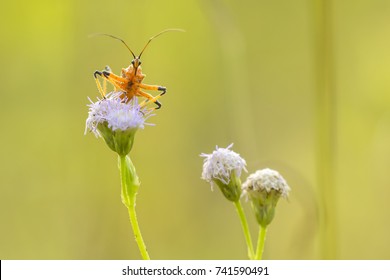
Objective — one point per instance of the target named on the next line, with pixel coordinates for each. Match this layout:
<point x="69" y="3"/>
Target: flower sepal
<point x="263" y="205"/>
<point x="120" y="141"/>
<point x="232" y="190"/>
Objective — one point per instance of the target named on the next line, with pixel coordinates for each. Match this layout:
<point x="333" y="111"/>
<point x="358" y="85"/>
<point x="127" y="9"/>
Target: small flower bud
<point x="264" y="188"/>
<point x="223" y="168"/>
<point x="116" y="121"/>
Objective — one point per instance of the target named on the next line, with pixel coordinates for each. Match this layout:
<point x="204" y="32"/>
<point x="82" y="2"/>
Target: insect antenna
<point x="162" y="32"/>
<point x="117" y="38"/>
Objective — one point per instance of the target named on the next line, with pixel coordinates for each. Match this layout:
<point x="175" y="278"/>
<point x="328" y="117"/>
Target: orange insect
<point x="130" y="81"/>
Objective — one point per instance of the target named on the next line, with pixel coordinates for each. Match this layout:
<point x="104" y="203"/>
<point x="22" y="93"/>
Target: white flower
<point x="266" y="179"/>
<point x="220" y="165"/>
<point x="264" y="188"/>
<point x="116" y="121"/>
<point x="117" y="114"/>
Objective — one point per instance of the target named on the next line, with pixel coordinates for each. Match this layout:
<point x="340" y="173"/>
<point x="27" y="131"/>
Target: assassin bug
<point x="130" y="81"/>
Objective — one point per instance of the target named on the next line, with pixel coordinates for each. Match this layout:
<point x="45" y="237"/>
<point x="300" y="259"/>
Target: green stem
<point x="260" y="243"/>
<point x="137" y="233"/>
<point x="130" y="184"/>
<point x="245" y="229"/>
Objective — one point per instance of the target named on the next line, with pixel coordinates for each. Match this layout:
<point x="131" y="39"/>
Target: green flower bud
<point x="264" y="188"/>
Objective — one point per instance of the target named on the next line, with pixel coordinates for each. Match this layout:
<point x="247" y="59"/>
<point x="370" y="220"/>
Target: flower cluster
<point x="116" y="121"/>
<point x="118" y="114"/>
<point x="263" y="188"/>
<point x="223" y="168"/>
<point x="266" y="180"/>
<point x="221" y="163"/>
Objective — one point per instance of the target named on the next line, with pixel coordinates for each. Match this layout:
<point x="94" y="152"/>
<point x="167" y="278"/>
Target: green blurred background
<point x="244" y="72"/>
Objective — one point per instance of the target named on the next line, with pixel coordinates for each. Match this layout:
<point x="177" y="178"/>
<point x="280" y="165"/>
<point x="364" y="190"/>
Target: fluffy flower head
<point x="116" y="121"/>
<point x="117" y="114"/>
<point x="266" y="180"/>
<point x="221" y="163"/>
<point x="264" y="188"/>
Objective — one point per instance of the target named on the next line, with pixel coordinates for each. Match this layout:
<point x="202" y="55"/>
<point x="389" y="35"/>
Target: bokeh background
<point x="244" y="72"/>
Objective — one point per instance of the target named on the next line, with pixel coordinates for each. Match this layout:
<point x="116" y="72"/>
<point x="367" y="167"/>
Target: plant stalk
<point x="245" y="229"/>
<point x="260" y="243"/>
<point x="130" y="184"/>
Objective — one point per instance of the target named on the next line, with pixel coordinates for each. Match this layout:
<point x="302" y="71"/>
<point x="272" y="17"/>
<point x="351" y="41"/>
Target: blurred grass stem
<point x="326" y="127"/>
<point x="260" y="243"/>
<point x="130" y="184"/>
<point x="245" y="229"/>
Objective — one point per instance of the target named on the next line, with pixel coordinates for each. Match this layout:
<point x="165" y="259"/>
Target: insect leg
<point x="107" y="76"/>
<point x="99" y="86"/>
<point x="159" y="88"/>
<point x="115" y="80"/>
<point x="149" y="97"/>
<point x="107" y="68"/>
<point x="105" y="85"/>
<point x="150" y="87"/>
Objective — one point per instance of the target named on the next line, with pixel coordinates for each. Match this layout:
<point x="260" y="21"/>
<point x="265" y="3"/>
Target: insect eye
<point x="139" y="63"/>
<point x="132" y="62"/>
